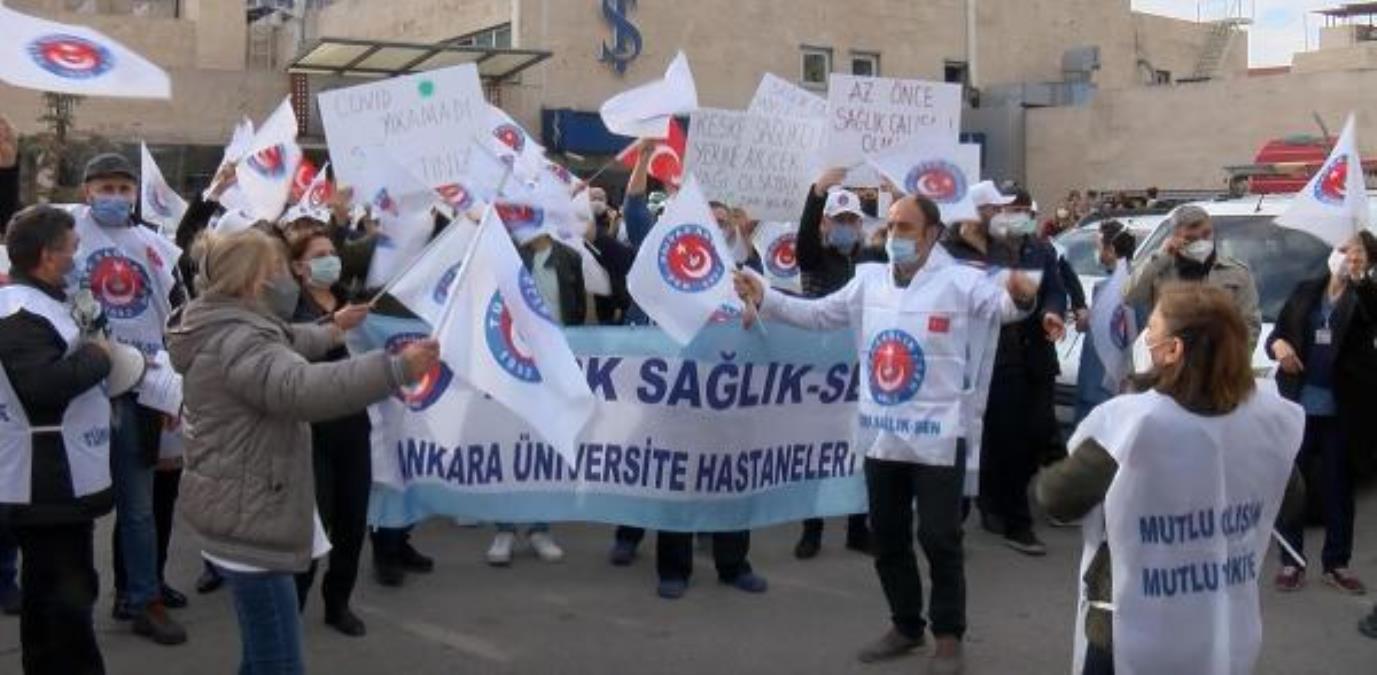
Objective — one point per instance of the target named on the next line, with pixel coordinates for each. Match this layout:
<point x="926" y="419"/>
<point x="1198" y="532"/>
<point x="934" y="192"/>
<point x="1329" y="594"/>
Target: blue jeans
<point x="9" y="559"/>
<point x="530" y="529"/>
<point x="132" y="476"/>
<point x="269" y="623"/>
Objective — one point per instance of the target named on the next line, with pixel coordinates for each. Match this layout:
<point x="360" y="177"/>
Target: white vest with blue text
<point x="85" y="424"/>
<point x="927" y="354"/>
<point x="129" y="270"/>
<point x="1188" y="519"/>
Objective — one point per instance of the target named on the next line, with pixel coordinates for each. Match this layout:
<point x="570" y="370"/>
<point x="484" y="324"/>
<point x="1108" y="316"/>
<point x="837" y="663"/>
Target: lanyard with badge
<point x="1324" y="336"/>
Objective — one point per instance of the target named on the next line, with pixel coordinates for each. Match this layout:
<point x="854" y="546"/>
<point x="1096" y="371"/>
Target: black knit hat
<point x="109" y="164"/>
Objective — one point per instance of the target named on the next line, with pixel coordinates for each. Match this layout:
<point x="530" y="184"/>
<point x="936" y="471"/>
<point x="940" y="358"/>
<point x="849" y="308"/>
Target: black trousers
<point x="166" y="487"/>
<point x="856" y="526"/>
<point x="674" y="552"/>
<point x="1011" y="446"/>
<point x="56" y="628"/>
<point x="1328" y="469"/>
<point x="1098" y="661"/>
<point x="894" y="489"/>
<point x="344" y="476"/>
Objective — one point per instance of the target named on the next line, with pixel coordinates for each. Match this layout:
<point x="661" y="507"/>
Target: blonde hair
<point x="233" y="264"/>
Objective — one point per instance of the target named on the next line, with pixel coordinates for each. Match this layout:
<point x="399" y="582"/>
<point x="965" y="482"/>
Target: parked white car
<point x="1278" y="257"/>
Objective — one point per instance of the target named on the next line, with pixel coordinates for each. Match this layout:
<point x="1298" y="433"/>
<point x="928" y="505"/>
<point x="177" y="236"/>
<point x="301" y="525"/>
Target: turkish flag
<point x="666" y="161"/>
<point x="301" y="182"/>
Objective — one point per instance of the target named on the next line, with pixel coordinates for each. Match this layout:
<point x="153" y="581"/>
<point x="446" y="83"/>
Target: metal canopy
<point x="350" y="57"/>
<point x="1350" y="10"/>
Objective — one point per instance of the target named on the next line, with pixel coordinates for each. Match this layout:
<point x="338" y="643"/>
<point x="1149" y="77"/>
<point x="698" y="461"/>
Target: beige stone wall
<point x="205" y="106"/>
<point x="411" y="20"/>
<point x="1183" y="136"/>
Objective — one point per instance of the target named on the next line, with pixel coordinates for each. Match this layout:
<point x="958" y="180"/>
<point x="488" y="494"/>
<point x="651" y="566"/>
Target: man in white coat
<point x="925" y="328"/>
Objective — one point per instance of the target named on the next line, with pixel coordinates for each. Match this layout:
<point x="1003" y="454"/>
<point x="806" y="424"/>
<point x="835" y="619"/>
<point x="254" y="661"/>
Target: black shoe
<point x="346" y="622"/>
<point x="173" y="598"/>
<point x="1025" y="542"/>
<point x="154" y="624"/>
<point x="623" y="553"/>
<point x="388" y="574"/>
<point x="991" y="523"/>
<point x="11" y="600"/>
<point x="1368" y="626"/>
<point x="209" y="581"/>
<point x="412" y="561"/>
<point x="807" y="547"/>
<point x="122" y="611"/>
<point x="859" y="541"/>
<point x="890" y="646"/>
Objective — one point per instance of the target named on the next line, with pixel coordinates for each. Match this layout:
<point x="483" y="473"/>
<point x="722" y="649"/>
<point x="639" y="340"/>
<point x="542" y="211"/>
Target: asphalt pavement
<point x="584" y="616"/>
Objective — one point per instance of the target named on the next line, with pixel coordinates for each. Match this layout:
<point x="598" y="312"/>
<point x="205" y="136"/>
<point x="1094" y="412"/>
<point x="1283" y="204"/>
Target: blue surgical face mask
<point x="111" y="211"/>
<point x="901" y="251"/>
<point x="843" y="237"/>
<point x="325" y="271"/>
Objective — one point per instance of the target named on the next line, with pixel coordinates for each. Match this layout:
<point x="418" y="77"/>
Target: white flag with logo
<point x="776" y="244"/>
<point x="1333" y="206"/>
<point x="402" y="204"/>
<point x="70" y="59"/>
<point x="514" y="145"/>
<point x="645" y="111"/>
<point x="265" y="173"/>
<point x="1113" y="328"/>
<point x="424" y="286"/>
<point x="942" y="172"/>
<point x="499" y="336"/>
<point x="315" y="199"/>
<point x="159" y="204"/>
<point x="681" y="276"/>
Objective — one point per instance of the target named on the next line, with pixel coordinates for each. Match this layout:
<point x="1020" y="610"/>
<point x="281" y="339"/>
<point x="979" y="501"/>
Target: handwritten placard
<point x="776" y="96"/>
<point x="425" y="121"/>
<point x="763" y="164"/>
<point x="866" y="115"/>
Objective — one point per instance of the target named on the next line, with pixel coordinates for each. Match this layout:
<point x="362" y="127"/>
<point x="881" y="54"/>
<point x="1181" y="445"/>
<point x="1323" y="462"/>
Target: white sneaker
<point x="500" y="553"/>
<point x="545" y="547"/>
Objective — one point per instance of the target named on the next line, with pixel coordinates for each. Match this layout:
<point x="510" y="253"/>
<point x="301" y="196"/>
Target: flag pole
<point x="459" y="277"/>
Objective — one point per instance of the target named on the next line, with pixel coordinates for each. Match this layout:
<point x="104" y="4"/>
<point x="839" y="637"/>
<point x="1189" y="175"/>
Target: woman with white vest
<point x="54" y="445"/>
<point x="1179" y="486"/>
<point x="926" y="328"/>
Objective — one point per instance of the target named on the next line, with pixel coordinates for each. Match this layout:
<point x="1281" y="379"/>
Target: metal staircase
<point x="1221" y="38"/>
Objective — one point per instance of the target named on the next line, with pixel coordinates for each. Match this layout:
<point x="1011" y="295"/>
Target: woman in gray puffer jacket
<point x="250" y="395"/>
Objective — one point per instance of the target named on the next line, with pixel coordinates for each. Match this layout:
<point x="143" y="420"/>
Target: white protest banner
<point x="70" y="59"/>
<point x="777" y="96"/>
<point x="1333" y="206"/>
<point x="424" y="120"/>
<point x="867" y="115"/>
<point x="679" y="440"/>
<point x="269" y="166"/>
<point x="761" y="164"/>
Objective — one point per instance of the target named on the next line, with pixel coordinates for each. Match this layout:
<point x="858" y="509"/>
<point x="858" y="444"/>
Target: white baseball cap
<point x="986" y="194"/>
<point x="842" y="201"/>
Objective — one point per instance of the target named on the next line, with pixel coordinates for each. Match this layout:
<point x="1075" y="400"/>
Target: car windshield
<point x="1278" y="257"/>
<point x="1081" y="248"/>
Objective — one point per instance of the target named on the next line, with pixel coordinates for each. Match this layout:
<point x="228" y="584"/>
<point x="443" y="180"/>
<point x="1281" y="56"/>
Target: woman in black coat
<point x="1324" y="341"/>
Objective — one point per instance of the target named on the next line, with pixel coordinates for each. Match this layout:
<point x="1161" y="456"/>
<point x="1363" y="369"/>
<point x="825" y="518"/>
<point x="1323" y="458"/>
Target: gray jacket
<point x="1227" y="274"/>
<point x="248" y="485"/>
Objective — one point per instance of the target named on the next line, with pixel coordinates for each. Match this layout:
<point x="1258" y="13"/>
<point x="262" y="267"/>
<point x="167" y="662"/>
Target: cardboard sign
<point x="761" y="164"/>
<point x="866" y="115"/>
<point x="777" y="96"/>
<point x="425" y="121"/>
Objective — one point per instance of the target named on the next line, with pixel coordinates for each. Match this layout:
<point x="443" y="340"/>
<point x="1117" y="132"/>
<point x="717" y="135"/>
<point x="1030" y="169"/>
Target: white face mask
<point x="1199" y="250"/>
<point x="1338" y="264"/>
<point x="1006" y="225"/>
<point x="1142" y="356"/>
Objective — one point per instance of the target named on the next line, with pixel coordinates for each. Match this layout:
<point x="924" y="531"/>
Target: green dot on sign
<point x="426" y="88"/>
